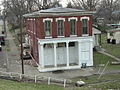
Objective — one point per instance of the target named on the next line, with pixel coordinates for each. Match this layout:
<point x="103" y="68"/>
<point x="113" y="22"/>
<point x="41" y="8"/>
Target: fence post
<point x="35" y="78"/>
<point x="49" y="80"/>
<point x="10" y="75"/>
<point x="64" y="82"/>
<point x="20" y="76"/>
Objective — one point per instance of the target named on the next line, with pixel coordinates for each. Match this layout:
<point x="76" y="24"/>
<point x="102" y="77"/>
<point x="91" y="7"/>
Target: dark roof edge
<point x="36" y="14"/>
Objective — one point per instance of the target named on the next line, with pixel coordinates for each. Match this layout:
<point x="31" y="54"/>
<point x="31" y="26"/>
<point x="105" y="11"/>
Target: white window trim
<point x="48" y="19"/>
<point x="88" y="26"/>
<point x="61" y="36"/>
<point x="84" y="18"/>
<point x="84" y="35"/>
<point x="60" y="19"/>
<point x="73" y="35"/>
<point x="48" y="37"/>
<point x="63" y="27"/>
<point x="73" y="18"/>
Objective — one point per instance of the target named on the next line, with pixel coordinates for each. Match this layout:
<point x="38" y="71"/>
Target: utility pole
<point x="4" y="18"/>
<point x="21" y="54"/>
<point x="4" y="24"/>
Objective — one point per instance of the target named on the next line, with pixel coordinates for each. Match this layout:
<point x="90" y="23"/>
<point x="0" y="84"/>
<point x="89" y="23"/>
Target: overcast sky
<point x="63" y="2"/>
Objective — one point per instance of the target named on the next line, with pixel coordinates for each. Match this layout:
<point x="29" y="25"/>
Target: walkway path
<point x="105" y="53"/>
<point x="13" y="55"/>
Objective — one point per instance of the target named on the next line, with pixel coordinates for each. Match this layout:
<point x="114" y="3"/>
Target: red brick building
<point x="60" y="38"/>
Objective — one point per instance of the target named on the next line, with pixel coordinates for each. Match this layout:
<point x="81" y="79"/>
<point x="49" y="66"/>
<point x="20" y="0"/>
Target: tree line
<point x="107" y="9"/>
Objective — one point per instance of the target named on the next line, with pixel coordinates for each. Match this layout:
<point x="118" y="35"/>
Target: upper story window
<point x="60" y="26"/>
<point x="85" y="25"/>
<point x="47" y="27"/>
<point x="72" y="25"/>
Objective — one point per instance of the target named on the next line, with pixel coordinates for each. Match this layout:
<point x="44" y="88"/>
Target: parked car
<point x="26" y="55"/>
<point x="0" y="48"/>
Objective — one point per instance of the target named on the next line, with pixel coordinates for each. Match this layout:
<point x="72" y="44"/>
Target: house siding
<point x="35" y="29"/>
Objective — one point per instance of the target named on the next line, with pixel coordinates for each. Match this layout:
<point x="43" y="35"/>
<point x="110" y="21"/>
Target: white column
<point x="55" y="55"/>
<point x="91" y="53"/>
<point x="67" y="51"/>
<point x="79" y="53"/>
<point x="42" y="55"/>
<point x="97" y="40"/>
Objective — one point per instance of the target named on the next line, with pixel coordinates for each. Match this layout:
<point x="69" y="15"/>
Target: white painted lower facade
<point x="96" y="40"/>
<point x="115" y="35"/>
<point x="65" y="53"/>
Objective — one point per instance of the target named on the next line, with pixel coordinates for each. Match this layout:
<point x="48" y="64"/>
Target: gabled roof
<point x="58" y="11"/>
<point x="113" y="30"/>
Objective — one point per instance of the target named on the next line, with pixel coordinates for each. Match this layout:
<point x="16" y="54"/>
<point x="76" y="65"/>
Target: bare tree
<point x="69" y="5"/>
<point x="86" y="4"/>
<point x="107" y="7"/>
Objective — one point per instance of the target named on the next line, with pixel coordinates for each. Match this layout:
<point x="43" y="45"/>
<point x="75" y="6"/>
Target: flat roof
<point x="58" y="12"/>
<point x="113" y="30"/>
<point x="113" y="24"/>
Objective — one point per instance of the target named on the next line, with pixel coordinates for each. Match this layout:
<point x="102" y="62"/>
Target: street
<point x="2" y="53"/>
<point x="3" y="58"/>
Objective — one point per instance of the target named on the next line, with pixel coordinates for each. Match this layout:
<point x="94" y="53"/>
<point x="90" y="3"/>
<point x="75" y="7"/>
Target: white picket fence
<point x="36" y="78"/>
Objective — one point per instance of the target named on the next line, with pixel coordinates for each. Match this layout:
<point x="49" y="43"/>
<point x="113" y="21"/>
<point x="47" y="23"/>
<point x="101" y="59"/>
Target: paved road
<point x="2" y="53"/>
<point x="2" y="58"/>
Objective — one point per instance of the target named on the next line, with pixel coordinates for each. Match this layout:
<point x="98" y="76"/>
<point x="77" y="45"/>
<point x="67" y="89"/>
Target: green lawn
<point x="13" y="85"/>
<point x="107" y="86"/>
<point x="113" y="49"/>
<point x="95" y="78"/>
<point x="103" y="59"/>
<point x="101" y="86"/>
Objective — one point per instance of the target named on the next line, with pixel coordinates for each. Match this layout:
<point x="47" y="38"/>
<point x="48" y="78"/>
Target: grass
<point x="107" y="86"/>
<point x="103" y="59"/>
<point x="113" y="49"/>
<point x="100" y="86"/>
<point x="94" y="78"/>
<point x="13" y="85"/>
